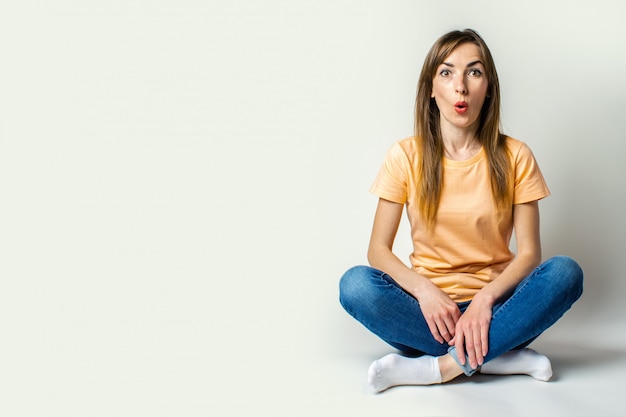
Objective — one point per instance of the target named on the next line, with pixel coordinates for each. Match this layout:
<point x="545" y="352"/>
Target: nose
<point x="461" y="86"/>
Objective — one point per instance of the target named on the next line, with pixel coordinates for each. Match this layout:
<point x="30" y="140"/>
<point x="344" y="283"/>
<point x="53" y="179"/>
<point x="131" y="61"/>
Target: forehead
<point x="463" y="54"/>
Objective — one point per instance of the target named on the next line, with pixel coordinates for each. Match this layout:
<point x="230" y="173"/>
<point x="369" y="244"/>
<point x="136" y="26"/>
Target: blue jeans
<point x="380" y="304"/>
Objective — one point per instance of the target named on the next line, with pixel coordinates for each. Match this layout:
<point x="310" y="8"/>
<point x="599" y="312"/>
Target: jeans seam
<point x="397" y="286"/>
<point x="389" y="281"/>
<point x="516" y="293"/>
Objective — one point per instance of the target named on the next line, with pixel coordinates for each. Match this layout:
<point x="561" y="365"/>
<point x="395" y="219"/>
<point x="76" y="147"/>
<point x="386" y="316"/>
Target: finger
<point x="460" y="348"/>
<point x="485" y="340"/>
<point x="450" y="327"/>
<point x="478" y="348"/>
<point x="444" y="330"/>
<point x="456" y="314"/>
<point x="471" y="349"/>
<point x="442" y="327"/>
<point x="434" y="331"/>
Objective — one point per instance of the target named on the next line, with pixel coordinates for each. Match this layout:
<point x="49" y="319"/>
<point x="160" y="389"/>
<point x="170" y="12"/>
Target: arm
<point x="440" y="312"/>
<point x="472" y="330"/>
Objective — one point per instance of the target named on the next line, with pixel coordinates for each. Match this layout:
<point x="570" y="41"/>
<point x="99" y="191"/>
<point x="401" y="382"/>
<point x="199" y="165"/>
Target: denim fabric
<point x="380" y="304"/>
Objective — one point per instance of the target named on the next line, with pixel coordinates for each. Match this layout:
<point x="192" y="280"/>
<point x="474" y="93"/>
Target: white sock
<point x="393" y="369"/>
<point x="523" y="361"/>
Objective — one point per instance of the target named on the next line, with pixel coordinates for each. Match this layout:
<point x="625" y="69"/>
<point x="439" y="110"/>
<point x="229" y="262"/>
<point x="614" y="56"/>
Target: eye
<point x="475" y="72"/>
<point x="444" y="72"/>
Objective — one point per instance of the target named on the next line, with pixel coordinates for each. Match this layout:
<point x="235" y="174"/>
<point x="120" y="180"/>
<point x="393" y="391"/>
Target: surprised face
<point x="460" y="88"/>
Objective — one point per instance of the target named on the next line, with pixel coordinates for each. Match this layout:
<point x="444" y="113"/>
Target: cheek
<point x="484" y="89"/>
<point x="438" y="90"/>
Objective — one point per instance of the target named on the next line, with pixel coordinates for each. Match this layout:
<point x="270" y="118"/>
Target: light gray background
<point x="182" y="183"/>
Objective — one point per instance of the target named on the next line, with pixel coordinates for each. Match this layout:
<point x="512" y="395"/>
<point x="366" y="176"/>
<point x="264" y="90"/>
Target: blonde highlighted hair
<point x="428" y="134"/>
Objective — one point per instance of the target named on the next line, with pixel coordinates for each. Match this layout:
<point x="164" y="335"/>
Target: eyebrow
<point x="471" y="64"/>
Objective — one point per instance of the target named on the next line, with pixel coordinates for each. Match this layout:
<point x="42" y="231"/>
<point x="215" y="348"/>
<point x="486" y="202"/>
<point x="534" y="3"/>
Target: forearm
<point x="502" y="287"/>
<point x="383" y="259"/>
<point x="381" y="256"/>
<point x="526" y="223"/>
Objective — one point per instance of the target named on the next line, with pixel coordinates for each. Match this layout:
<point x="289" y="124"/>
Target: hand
<point x="440" y="312"/>
<point x="472" y="334"/>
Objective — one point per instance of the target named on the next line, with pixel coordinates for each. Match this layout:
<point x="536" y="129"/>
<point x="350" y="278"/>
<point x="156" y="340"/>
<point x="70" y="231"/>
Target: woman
<point x="467" y="303"/>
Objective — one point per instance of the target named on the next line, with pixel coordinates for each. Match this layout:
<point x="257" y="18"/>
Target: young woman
<point x="467" y="304"/>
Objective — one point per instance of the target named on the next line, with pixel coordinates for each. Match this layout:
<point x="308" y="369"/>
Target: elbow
<point x="371" y="256"/>
<point x="535" y="258"/>
<point x="531" y="259"/>
<point x="374" y="256"/>
<point x="532" y="264"/>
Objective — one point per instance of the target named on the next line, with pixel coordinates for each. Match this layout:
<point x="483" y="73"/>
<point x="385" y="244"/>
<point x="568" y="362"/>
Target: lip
<point x="460" y="107"/>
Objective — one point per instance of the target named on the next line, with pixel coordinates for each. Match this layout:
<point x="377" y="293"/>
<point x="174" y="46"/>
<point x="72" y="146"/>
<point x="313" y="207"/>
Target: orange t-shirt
<point x="469" y="245"/>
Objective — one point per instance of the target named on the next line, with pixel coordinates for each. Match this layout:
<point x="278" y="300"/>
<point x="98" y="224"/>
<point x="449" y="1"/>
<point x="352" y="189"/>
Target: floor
<point x="580" y="387"/>
<point x="587" y="381"/>
<point x="320" y="368"/>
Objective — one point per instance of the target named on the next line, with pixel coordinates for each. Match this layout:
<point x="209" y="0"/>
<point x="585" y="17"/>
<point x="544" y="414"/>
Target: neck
<point x="458" y="136"/>
<point x="460" y="144"/>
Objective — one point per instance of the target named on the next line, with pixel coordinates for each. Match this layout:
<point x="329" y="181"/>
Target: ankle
<point x="449" y="368"/>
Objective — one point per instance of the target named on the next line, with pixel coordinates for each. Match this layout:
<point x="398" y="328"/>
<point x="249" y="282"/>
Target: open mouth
<point x="460" y="107"/>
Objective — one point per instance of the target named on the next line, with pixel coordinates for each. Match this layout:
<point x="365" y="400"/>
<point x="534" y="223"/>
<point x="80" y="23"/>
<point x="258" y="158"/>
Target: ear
<point x="432" y="94"/>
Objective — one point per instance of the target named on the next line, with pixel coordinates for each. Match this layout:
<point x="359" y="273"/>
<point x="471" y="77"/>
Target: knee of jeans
<point x="569" y="274"/>
<point x="348" y="285"/>
<point x="351" y="286"/>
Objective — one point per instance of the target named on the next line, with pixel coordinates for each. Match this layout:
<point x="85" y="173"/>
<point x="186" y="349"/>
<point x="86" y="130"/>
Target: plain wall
<point x="182" y="183"/>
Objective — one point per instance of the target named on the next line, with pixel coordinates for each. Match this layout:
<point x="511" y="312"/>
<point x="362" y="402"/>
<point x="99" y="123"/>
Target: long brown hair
<point x="428" y="134"/>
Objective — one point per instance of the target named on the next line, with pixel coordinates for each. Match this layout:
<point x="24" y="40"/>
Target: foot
<point x="523" y="361"/>
<point x="392" y="370"/>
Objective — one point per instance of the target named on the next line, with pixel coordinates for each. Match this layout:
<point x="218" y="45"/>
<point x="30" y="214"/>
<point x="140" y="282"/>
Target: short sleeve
<point x="391" y="182"/>
<point x="529" y="182"/>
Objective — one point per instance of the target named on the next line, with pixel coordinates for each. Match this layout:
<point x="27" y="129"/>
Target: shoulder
<point x="401" y="157"/>
<point x="518" y="150"/>
<point x="404" y="148"/>
<point x="407" y="144"/>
